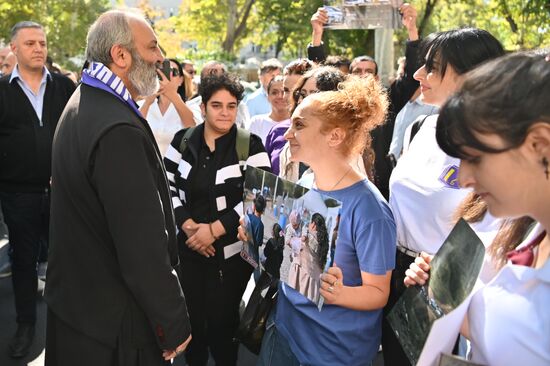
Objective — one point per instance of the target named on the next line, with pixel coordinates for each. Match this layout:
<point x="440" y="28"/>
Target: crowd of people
<point x="128" y="181"/>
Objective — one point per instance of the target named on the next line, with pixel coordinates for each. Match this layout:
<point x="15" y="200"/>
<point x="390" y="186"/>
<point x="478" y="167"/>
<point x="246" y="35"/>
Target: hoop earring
<point x="545" y="163"/>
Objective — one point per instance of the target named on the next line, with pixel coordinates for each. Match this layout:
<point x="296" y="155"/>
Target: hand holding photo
<point x="298" y="227"/>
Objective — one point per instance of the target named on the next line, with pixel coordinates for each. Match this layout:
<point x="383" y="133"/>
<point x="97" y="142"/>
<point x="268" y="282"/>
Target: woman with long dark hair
<point x="424" y="191"/>
<point x="498" y="125"/>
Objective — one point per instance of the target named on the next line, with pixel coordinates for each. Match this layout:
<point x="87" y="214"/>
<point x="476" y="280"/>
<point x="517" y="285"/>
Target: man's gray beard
<point x="143" y="76"/>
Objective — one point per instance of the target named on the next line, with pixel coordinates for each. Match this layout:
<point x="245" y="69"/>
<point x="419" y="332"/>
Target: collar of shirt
<point x="523" y="272"/>
<point x="15" y="75"/>
<point x="419" y="101"/>
<point x="36" y="99"/>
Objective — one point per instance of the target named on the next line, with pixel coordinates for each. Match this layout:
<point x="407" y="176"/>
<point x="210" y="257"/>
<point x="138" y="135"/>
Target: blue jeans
<point x="275" y="348"/>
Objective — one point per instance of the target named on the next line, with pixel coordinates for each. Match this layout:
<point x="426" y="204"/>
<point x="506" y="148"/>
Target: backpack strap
<point x="185" y="139"/>
<point x="417" y="124"/>
<point x="242" y="144"/>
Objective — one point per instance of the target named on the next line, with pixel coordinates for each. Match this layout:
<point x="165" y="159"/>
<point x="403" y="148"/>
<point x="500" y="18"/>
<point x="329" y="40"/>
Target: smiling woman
<point x="327" y="128"/>
<point x="263" y="123"/>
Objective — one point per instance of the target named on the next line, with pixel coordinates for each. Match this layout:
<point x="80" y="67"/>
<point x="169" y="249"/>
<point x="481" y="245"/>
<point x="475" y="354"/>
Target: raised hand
<point x="318" y="20"/>
<point x="409" y="15"/>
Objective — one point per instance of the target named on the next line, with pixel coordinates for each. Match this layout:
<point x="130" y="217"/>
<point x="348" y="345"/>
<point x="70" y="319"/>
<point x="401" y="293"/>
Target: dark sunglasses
<point x="175" y="72"/>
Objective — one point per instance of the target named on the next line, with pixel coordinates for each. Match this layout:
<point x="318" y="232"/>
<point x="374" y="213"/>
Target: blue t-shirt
<point x="366" y="242"/>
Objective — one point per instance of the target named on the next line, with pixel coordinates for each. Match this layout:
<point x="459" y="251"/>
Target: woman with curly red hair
<point x="327" y="128"/>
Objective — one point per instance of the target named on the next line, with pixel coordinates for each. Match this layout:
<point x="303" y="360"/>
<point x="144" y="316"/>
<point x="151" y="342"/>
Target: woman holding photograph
<point x="503" y="141"/>
<point x="327" y="128"/>
<point x="425" y="177"/>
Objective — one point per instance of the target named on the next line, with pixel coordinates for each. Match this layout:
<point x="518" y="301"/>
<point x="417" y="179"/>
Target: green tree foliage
<point x="518" y="24"/>
<point x="281" y="24"/>
<point x="221" y="27"/>
<point x="284" y="25"/>
<point x="66" y="23"/>
<point x="214" y="24"/>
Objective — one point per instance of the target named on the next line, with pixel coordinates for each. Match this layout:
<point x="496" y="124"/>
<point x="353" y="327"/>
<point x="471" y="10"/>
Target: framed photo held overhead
<point x="363" y="14"/>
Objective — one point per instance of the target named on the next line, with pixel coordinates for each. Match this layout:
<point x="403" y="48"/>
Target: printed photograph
<point x="363" y="14"/>
<point x="291" y="231"/>
<point x="453" y="274"/>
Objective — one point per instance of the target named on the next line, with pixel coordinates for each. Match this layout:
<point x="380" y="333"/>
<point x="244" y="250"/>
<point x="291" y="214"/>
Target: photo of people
<point x="299" y="229"/>
<point x="363" y="14"/>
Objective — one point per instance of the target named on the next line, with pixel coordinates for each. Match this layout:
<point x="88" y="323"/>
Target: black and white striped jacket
<point x="226" y="193"/>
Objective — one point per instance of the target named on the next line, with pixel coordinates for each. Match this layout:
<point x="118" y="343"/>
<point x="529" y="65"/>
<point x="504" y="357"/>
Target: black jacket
<point x="112" y="233"/>
<point x="225" y="187"/>
<point x="25" y="146"/>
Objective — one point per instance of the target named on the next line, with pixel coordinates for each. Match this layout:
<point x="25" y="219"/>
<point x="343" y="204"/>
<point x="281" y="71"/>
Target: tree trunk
<point x="430" y="4"/>
<point x="236" y="27"/>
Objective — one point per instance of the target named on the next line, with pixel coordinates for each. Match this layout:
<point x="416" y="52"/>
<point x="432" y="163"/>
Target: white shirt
<point x="486" y="230"/>
<point x="406" y="116"/>
<point x="165" y="126"/>
<point x="509" y="318"/>
<point x="36" y="100"/>
<point x="424" y="192"/>
<point x="261" y="125"/>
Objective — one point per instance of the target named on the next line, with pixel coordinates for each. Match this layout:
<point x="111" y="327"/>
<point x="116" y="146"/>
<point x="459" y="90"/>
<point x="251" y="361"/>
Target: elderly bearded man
<point x="112" y="292"/>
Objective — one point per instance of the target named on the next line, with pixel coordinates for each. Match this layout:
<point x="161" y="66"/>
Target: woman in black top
<point x="206" y="181"/>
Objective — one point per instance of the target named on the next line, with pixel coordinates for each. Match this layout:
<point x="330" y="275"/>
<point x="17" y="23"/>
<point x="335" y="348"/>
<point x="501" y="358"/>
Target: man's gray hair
<point x="111" y="28"/>
<point x="23" y="25"/>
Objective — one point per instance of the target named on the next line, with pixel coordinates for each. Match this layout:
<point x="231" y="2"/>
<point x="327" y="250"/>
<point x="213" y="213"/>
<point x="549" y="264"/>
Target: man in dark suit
<point x="31" y="101"/>
<point x="112" y="292"/>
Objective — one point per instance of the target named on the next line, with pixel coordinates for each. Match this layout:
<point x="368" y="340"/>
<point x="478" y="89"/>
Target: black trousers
<point x="392" y="351"/>
<point x="213" y="305"/>
<point x="66" y="346"/>
<point x="27" y="217"/>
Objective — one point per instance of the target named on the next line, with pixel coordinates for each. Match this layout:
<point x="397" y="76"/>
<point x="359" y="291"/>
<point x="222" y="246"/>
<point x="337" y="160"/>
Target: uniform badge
<point x="449" y="177"/>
